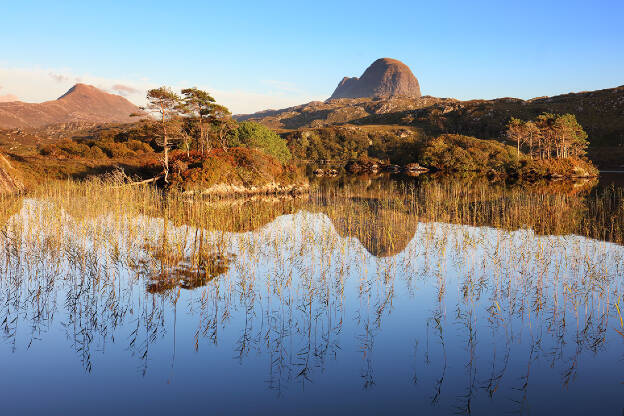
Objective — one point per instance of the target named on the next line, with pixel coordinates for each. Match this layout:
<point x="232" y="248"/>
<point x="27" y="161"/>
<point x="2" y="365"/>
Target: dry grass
<point x="110" y="249"/>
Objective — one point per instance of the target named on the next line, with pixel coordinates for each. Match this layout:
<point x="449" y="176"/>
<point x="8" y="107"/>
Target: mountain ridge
<point x="81" y="102"/>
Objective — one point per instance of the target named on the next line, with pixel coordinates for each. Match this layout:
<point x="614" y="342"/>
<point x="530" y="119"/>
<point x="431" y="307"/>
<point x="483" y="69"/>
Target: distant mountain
<point x="385" y="78"/>
<point x="82" y="103"/>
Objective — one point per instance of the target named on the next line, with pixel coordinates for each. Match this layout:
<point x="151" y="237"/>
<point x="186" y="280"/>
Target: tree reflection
<point x="305" y="284"/>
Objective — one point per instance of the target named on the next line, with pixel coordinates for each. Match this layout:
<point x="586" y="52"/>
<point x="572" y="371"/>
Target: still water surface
<point x="340" y="303"/>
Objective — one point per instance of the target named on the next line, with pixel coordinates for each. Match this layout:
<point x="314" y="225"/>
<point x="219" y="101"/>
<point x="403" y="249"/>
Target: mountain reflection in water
<point x="370" y="296"/>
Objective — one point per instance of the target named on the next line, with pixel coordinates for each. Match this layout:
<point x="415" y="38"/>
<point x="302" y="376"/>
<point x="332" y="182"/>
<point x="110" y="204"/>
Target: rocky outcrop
<point x="385" y="78"/>
<point x="228" y="190"/>
<point x="82" y="103"/>
<point x="9" y="178"/>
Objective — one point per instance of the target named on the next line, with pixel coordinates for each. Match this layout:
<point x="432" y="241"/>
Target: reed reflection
<point x="483" y="280"/>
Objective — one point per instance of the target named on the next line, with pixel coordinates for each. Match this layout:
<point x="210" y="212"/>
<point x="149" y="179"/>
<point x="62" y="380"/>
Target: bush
<point x="342" y="143"/>
<point x="256" y="135"/>
<point x="96" y="153"/>
<point x="238" y="166"/>
<point x="73" y="148"/>
<point x="115" y="150"/>
<point x="48" y="150"/>
<point x="138" y="146"/>
<point x="456" y="153"/>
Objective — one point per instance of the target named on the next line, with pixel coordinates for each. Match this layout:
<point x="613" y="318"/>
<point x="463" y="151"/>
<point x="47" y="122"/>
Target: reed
<point x="290" y="273"/>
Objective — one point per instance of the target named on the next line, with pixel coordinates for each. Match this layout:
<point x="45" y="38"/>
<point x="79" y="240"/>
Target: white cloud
<point x="124" y="90"/>
<point x="44" y="84"/>
<point x="58" y="77"/>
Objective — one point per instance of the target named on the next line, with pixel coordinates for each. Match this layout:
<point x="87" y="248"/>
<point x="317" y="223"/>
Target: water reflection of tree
<point x="294" y="310"/>
<point x="382" y="213"/>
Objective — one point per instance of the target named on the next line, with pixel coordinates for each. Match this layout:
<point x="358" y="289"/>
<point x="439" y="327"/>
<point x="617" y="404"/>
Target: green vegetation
<point x="551" y="146"/>
<point x="456" y="153"/>
<point x="255" y="135"/>
<point x="550" y="136"/>
<point x="599" y="112"/>
<point x="198" y="122"/>
<point x="340" y="144"/>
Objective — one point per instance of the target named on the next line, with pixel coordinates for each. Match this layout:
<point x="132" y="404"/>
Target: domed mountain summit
<point x="385" y="78"/>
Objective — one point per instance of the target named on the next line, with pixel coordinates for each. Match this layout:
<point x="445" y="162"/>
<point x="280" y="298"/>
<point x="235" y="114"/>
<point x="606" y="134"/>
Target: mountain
<point x="384" y="78"/>
<point x="84" y="103"/>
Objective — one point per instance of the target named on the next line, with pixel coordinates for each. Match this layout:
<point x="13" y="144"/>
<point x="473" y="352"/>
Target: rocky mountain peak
<point x="384" y="78"/>
<point x="84" y="89"/>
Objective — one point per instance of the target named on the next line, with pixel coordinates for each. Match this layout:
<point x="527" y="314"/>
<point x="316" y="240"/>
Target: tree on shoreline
<point x="557" y="136"/>
<point x="166" y="105"/>
<point x="223" y="123"/>
<point x="515" y="132"/>
<point x="200" y="106"/>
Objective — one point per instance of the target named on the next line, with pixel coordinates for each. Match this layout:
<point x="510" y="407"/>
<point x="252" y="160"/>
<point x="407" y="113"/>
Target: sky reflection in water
<point x="299" y="316"/>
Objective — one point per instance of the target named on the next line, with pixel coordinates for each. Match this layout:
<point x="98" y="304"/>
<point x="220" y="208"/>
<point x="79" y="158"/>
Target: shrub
<point x="138" y="146"/>
<point x="456" y="153"/>
<point x="96" y="153"/>
<point x="342" y="143"/>
<point x="48" y="150"/>
<point x="115" y="150"/>
<point x="239" y="166"/>
<point x="256" y="135"/>
<point x="72" y="148"/>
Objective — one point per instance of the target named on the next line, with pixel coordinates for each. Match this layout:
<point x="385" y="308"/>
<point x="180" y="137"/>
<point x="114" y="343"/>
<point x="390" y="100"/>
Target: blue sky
<point x="255" y="55"/>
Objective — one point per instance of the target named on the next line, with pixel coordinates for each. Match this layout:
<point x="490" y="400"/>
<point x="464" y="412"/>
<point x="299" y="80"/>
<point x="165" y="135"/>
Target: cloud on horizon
<point x="124" y="89"/>
<point x="44" y="84"/>
<point x="58" y="77"/>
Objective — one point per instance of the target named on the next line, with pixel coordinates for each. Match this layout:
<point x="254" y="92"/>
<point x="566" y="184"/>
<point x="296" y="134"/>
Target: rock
<point x="325" y="172"/>
<point x="353" y="166"/>
<point x="385" y="78"/>
<point x="362" y="166"/>
<point x="391" y="168"/>
<point x="414" y="167"/>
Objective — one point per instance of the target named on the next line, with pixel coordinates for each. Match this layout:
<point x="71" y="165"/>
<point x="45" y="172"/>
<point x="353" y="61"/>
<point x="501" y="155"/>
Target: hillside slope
<point x="601" y="113"/>
<point x="81" y="103"/>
